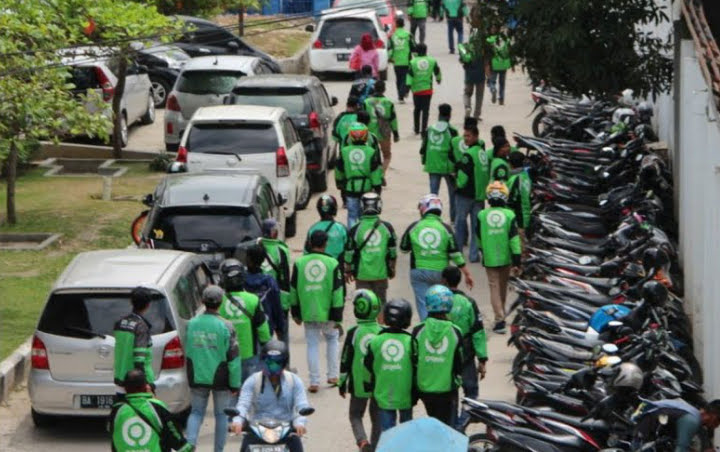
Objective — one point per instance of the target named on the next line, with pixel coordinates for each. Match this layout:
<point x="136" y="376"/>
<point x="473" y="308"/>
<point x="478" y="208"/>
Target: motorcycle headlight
<point x="272" y="435"/>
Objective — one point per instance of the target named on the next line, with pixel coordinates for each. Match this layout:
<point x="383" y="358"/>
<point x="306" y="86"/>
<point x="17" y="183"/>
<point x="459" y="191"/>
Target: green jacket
<point x="277" y="265"/>
<point x="383" y="120"/>
<point x="400" y="47"/>
<point x="359" y="170"/>
<point x="454" y="8"/>
<point x="337" y="238"/>
<point x="342" y="124"/>
<point x="440" y="359"/>
<point x="353" y="374"/>
<point x="431" y="244"/>
<point x="473" y="173"/>
<point x="501" y="53"/>
<point x="436" y="148"/>
<point x="459" y="148"/>
<point x="417" y="9"/>
<point x="391" y="362"/>
<point x="498" y="237"/>
<point x="499" y="170"/>
<point x="371" y="258"/>
<point x="421" y="72"/>
<point x="466" y="316"/>
<point x="133" y="347"/>
<point x="317" y="289"/>
<point x="143" y="423"/>
<point x="520" y="201"/>
<point x="249" y="329"/>
<point x="212" y="351"/>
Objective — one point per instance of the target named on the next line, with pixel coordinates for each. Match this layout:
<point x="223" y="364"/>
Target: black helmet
<point x="397" y="313"/>
<point x="654" y="258"/>
<point x="327" y="205"/>
<point x="275" y="357"/>
<point x="371" y="204"/>
<point x="233" y="274"/>
<point x="654" y="293"/>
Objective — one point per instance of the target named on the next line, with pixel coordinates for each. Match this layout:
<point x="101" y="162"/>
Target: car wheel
<point x="149" y="116"/>
<point x="42" y="420"/>
<point x="383" y="75"/>
<point x="124" y="135"/>
<point x="318" y="182"/>
<point x="160" y="89"/>
<point x="303" y="195"/>
<point x="291" y="225"/>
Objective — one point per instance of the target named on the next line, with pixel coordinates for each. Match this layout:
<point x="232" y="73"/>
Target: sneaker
<point x="364" y="446"/>
<point x="494" y="97"/>
<point x="452" y="51"/>
<point x="501" y="101"/>
<point x="500" y="327"/>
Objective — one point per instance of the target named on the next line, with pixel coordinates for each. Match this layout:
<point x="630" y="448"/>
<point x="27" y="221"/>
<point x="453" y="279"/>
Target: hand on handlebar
<point x="236" y="427"/>
<point x="300" y="430"/>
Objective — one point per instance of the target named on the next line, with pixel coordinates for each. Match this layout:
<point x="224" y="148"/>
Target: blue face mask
<point x="273" y="367"/>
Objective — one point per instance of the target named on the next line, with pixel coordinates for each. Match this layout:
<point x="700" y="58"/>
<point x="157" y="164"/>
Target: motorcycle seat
<point x="558" y="440"/>
<point x="595" y="425"/>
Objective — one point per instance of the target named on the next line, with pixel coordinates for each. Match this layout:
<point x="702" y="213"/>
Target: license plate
<point x="343" y="57"/>
<point x="97" y="401"/>
<point x="268" y="448"/>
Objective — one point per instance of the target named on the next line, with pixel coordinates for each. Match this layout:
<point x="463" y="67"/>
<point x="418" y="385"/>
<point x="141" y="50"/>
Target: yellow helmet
<point x="497" y="191"/>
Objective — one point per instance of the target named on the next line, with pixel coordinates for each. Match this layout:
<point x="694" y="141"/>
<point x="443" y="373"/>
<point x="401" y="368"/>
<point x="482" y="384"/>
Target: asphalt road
<point x="329" y="428"/>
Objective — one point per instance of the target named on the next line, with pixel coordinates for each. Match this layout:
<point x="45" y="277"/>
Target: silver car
<point x="73" y="346"/>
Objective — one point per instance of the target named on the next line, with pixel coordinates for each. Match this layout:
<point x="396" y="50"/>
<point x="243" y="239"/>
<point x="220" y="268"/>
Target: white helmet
<point x="622" y="115"/>
<point x="629" y="375"/>
<point x="430" y="203"/>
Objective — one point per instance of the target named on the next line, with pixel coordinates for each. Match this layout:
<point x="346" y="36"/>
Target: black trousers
<point x="400" y="81"/>
<point x="422" y="108"/>
<point x="442" y="406"/>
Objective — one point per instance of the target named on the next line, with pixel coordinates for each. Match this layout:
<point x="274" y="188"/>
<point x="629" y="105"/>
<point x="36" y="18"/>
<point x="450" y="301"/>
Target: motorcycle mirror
<point x="306" y="411"/>
<point x="231" y="412"/>
<point x="610" y="349"/>
<point x="663" y="419"/>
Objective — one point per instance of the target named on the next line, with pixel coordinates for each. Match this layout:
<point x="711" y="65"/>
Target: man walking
<point x="476" y="69"/>
<point x="317" y="297"/>
<point x="344" y="120"/>
<point x="435" y="152"/>
<point x="383" y="122"/>
<point x="371" y="249"/>
<point x="400" y="48"/>
<point x="501" y="62"/>
<point x="422" y="70"/>
<point x="455" y="11"/>
<point x="431" y="245"/>
<point x="213" y="365"/>
<point x="277" y="265"/>
<point x="418" y="12"/>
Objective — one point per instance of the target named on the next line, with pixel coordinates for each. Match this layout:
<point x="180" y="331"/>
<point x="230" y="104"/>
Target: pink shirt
<point x="370" y="58"/>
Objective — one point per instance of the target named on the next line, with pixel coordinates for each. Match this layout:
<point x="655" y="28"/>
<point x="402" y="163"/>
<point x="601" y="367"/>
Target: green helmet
<point x="358" y="133"/>
<point x="438" y="299"/>
<point x="366" y="304"/>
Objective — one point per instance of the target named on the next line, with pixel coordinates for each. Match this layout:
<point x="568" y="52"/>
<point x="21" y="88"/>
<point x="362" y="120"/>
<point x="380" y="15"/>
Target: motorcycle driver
<point x="684" y="420"/>
<point x="273" y="393"/>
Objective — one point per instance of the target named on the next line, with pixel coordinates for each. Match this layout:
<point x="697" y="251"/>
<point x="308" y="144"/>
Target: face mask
<point x="273" y="367"/>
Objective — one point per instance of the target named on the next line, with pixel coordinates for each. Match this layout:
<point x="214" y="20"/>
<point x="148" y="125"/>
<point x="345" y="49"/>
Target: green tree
<point x="593" y="46"/>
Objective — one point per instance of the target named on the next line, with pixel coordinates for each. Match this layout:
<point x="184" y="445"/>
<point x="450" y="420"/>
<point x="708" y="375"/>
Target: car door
<point x="186" y="295"/>
<point x="135" y="104"/>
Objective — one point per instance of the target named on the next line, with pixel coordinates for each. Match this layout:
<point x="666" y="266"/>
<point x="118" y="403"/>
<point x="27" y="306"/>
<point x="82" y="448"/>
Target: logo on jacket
<point x="435" y="137"/>
<point x="135" y="432"/>
<point x="482" y="156"/>
<point x="496" y="219"/>
<point x="365" y="342"/>
<point x="429" y="238"/>
<point x="357" y="156"/>
<point x="315" y="271"/>
<point x="423" y="65"/>
<point x="392" y="350"/>
<point x="379" y="109"/>
<point x="231" y="310"/>
<point x="374" y="239"/>
<point x="440" y="349"/>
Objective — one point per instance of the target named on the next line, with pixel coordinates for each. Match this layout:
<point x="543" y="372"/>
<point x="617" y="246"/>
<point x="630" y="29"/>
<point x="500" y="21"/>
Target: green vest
<point x="133" y="347"/>
<point x="279" y="253"/>
<point x="501" y="53"/>
<point x="213" y="360"/>
<point x="432" y="244"/>
<point x="383" y="120"/>
<point x="499" y="170"/>
<point x="360" y="170"/>
<point x="421" y="73"/>
<point x="315" y="291"/>
<point x="498" y="236"/>
<point x="418" y="9"/>
<point x="439" y="363"/>
<point x="249" y="330"/>
<point x="391" y="358"/>
<point x="130" y="432"/>
<point x="400" y="45"/>
<point x="372" y="262"/>
<point x="337" y="237"/>
<point x="520" y="187"/>
<point x="454" y="8"/>
<point x="342" y="126"/>
<point x="438" y="144"/>
<point x="473" y="172"/>
<point x="353" y="357"/>
<point x="466" y="316"/>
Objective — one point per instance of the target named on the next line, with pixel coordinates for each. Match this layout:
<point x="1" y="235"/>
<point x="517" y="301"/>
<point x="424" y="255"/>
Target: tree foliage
<point x="593" y="46"/>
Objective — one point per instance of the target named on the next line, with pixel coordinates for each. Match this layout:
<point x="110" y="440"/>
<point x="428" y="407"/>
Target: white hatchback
<point x="250" y="136"/>
<point x="338" y="33"/>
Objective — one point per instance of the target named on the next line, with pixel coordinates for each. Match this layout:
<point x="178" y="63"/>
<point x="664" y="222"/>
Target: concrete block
<point x="14" y="370"/>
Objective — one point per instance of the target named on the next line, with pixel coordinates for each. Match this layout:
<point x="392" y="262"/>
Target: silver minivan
<point x="73" y="346"/>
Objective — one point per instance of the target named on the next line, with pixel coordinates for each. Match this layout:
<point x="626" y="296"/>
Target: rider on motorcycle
<point x="274" y="393"/>
<point x="684" y="420"/>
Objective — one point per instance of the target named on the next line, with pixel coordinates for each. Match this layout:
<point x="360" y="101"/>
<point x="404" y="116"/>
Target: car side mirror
<point x="148" y="200"/>
<point x="333" y="101"/>
<point x="281" y="199"/>
<point x="310" y="28"/>
<point x="234" y="46"/>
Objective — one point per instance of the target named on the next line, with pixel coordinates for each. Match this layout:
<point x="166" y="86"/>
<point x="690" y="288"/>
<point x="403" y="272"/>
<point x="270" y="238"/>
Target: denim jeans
<point x="198" y="405"/>
<point x="388" y="418"/>
<point x="465" y="206"/>
<point x="435" y="189"/>
<point x="421" y="280"/>
<point x="454" y="24"/>
<point x="313" y="331"/>
<point x="500" y="77"/>
<point x="353" y="208"/>
<point x="414" y="25"/>
<point x="470" y="385"/>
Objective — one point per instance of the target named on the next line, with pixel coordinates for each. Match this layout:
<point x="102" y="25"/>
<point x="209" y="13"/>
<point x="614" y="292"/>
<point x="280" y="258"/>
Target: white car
<point x="205" y="81"/>
<point x="250" y="136"/>
<point x="92" y="70"/>
<point x="336" y="36"/>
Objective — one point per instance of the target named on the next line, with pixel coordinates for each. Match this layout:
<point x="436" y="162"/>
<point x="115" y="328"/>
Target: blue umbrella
<point x="426" y="434"/>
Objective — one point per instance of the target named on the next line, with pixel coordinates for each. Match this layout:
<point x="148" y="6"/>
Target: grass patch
<point x="271" y="34"/>
<point x="71" y="206"/>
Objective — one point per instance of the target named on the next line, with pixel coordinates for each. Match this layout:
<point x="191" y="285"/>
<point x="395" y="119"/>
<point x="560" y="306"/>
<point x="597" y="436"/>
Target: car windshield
<point x="233" y="138"/>
<point x="204" y="229"/>
<point x="88" y="314"/>
<point x="208" y="82"/>
<point x="294" y="100"/>
<point x="346" y="32"/>
<point x="380" y="5"/>
<point x="174" y="56"/>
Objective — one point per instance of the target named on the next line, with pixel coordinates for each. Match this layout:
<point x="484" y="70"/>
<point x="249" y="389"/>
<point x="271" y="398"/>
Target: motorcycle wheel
<point x="480" y="442"/>
<point x="537" y="121"/>
<point x="137" y="227"/>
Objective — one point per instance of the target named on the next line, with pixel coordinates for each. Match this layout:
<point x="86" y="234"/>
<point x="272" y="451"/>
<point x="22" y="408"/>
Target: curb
<point x="298" y="63"/>
<point x="90" y="151"/>
<point x="14" y="369"/>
